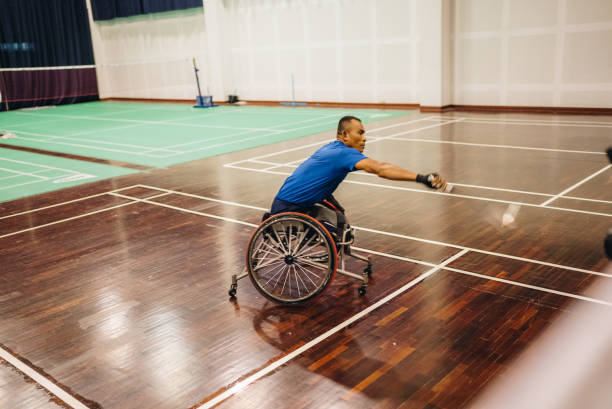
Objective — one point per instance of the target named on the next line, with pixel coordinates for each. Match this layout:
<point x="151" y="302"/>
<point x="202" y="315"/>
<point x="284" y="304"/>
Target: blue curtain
<point x="41" y="33"/>
<point x="109" y="9"/>
<point x="45" y="33"/>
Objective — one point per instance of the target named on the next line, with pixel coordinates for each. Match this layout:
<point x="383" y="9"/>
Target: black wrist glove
<point x="426" y="179"/>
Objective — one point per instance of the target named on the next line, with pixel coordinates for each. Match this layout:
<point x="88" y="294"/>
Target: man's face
<point x="354" y="135"/>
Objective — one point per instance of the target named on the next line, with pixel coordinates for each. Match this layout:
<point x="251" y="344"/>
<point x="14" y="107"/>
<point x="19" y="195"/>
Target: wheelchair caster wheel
<point x="361" y="290"/>
<point x="368" y="270"/>
<point x="232" y="291"/>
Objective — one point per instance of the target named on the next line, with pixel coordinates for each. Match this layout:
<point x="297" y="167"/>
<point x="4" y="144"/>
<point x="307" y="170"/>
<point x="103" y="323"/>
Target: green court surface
<point x="24" y="174"/>
<point x="160" y="135"/>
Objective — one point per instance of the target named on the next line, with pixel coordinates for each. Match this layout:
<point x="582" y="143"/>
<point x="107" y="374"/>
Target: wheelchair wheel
<point x="291" y="258"/>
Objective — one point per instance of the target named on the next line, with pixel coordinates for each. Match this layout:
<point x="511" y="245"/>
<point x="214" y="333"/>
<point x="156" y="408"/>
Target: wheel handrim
<point x="291" y="260"/>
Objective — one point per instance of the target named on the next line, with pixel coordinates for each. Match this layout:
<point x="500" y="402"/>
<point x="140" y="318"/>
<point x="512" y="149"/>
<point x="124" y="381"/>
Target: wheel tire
<point x="296" y="235"/>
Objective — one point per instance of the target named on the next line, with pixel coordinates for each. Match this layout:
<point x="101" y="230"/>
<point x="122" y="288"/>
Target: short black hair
<point x="342" y="124"/>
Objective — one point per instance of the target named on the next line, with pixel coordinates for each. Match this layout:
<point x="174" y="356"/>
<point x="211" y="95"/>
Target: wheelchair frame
<point x="270" y="250"/>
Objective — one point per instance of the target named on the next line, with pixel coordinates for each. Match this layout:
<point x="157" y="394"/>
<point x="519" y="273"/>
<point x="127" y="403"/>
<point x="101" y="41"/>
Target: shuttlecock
<point x="510" y="214"/>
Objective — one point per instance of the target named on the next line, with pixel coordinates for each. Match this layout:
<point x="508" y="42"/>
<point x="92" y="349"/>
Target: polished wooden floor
<point x="116" y="291"/>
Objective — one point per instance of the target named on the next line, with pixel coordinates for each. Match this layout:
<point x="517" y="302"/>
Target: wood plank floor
<point x="117" y="290"/>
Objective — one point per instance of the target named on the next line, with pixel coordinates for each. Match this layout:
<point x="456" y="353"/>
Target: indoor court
<point x="124" y="218"/>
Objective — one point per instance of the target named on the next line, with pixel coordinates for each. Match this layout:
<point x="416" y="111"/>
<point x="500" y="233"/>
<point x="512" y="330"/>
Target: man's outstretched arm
<point x="388" y="171"/>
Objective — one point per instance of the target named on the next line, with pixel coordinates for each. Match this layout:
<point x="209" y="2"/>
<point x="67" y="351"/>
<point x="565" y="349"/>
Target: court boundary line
<point x="149" y="152"/>
<point x="433" y="192"/>
<point x="485" y="145"/>
<point x="240" y="385"/>
<point x="72" y="137"/>
<point x="231" y="203"/>
<point x="397" y="235"/>
<point x="519" y="121"/>
<point x="32" y="173"/>
<point x="41" y="380"/>
<point x="525" y="192"/>
<point x="320" y="142"/>
<point x="569" y="189"/>
<point x="285" y="131"/>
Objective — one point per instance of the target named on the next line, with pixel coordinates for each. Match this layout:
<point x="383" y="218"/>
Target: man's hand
<point x="432" y="181"/>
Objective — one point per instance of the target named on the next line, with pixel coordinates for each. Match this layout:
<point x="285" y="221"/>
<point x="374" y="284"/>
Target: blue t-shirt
<point x="318" y="177"/>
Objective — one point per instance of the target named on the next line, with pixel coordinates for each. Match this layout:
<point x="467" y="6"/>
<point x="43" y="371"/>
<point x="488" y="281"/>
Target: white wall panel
<point x="357" y="66"/>
<point x="479" y="15"/>
<point x="592" y="98"/>
<point x="588" y="11"/>
<point x="538" y="54"/>
<point x="480" y="61"/>
<point x="355" y="22"/>
<point x="549" y="53"/>
<point x="530" y="97"/>
<point x="588" y="57"/>
<point x="532" y="14"/>
<point x="322" y="20"/>
<point x="393" y="18"/>
<point x="394" y="63"/>
<point x="502" y="52"/>
<point x="324" y="69"/>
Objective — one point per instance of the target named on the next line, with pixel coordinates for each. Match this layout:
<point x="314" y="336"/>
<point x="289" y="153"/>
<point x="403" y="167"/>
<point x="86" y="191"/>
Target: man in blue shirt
<point x="316" y="178"/>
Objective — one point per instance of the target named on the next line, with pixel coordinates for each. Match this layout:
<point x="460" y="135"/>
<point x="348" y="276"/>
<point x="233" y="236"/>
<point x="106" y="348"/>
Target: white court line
<point x="576" y="185"/>
<point x="21" y="184"/>
<point x="240" y="385"/>
<point x="535" y="124"/>
<point x="19" y="173"/>
<point x="99" y="148"/>
<point x="376" y="139"/>
<point x="37" y="165"/>
<point x="65" y="203"/>
<point x="431" y="192"/>
<point x="66" y="220"/>
<point x="487" y="277"/>
<point x="16" y="176"/>
<point x="93" y="118"/>
<point x="491" y="253"/>
<point x="362" y="173"/>
<point x="532" y="287"/>
<point x="318" y="143"/>
<point x="539" y="121"/>
<point x="487" y="145"/>
<point x="39" y="122"/>
<point x="93" y="141"/>
<point x="396" y="235"/>
<point x="199" y="141"/>
<point x="227" y="219"/>
<point x="245" y="139"/>
<point x="42" y="380"/>
<point x="240" y="133"/>
<point x="83" y="215"/>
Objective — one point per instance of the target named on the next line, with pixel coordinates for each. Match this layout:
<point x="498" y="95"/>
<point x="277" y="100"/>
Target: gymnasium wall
<point x="150" y="56"/>
<point x="344" y="50"/>
<point x="553" y="53"/>
<point x="533" y="53"/>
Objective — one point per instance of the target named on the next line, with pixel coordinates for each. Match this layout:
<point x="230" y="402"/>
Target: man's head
<point x="351" y="133"/>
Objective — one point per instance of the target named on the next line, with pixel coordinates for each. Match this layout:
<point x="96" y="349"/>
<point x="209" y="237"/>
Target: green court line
<point x="161" y="135"/>
<point x="25" y="174"/>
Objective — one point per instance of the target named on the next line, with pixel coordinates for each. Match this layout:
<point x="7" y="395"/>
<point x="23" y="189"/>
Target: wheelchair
<point x="293" y="257"/>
